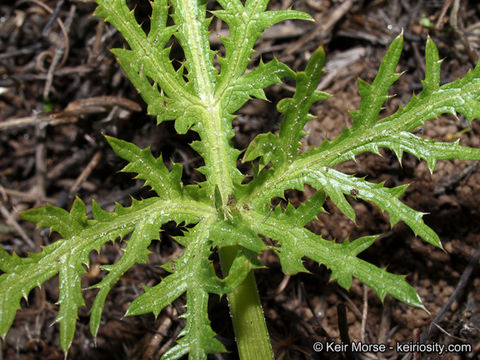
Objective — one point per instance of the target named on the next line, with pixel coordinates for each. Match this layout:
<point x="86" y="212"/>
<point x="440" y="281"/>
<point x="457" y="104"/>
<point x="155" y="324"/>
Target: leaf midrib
<point x="171" y="86"/>
<point x="227" y="79"/>
<point x="83" y="240"/>
<point x="362" y="136"/>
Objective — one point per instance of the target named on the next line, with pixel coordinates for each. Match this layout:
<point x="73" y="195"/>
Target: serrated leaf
<point x="151" y="60"/>
<point x="253" y="83"/>
<point x="65" y="223"/>
<point x="224" y="233"/>
<point x="67" y="256"/>
<point x="264" y="146"/>
<point x="281" y="150"/>
<point x="70" y="296"/>
<point x="8" y="262"/>
<point x="136" y="252"/>
<point x="296" y="109"/>
<point x="341" y="259"/>
<point x="193" y="36"/>
<point x="14" y="285"/>
<point x="133" y="68"/>
<point x="221" y="214"/>
<point x="306" y="212"/>
<point x="375" y="95"/>
<point x="189" y="271"/>
<point x="159" y="33"/>
<point x="368" y="134"/>
<point x="246" y="24"/>
<point x="338" y="185"/>
<point x="198" y="338"/>
<point x="432" y="69"/>
<point x="167" y="184"/>
<point x="193" y="274"/>
<point x="427" y="149"/>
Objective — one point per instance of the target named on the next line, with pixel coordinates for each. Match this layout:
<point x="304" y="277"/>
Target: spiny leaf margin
<point x="68" y="255"/>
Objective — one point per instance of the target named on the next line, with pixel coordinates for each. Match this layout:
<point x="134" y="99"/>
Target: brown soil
<point x="53" y="157"/>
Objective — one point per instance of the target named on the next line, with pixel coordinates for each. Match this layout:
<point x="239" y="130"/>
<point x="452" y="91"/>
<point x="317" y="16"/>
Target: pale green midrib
<point x="317" y="250"/>
<point x="189" y="209"/>
<point x="171" y="86"/>
<point x="362" y="136"/>
<point x="291" y="145"/>
<point x="200" y="63"/>
<point x="227" y="80"/>
<point x="444" y="94"/>
<point x="218" y="148"/>
<point x="197" y="266"/>
<point x="215" y="140"/>
<point x="165" y="188"/>
<point x="322" y="250"/>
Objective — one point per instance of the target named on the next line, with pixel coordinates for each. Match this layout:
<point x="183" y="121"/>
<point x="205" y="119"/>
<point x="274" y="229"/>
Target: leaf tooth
<point x="364" y="88"/>
<point x="291" y="265"/>
<point x="78" y="211"/>
<point x="25" y="295"/>
<point x="398" y="150"/>
<point x="396" y="191"/>
<point x="431" y="163"/>
<point x="119" y="208"/>
<point x="100" y="214"/>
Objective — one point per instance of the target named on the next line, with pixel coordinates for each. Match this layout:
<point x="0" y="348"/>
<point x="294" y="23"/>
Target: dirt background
<point x="61" y="89"/>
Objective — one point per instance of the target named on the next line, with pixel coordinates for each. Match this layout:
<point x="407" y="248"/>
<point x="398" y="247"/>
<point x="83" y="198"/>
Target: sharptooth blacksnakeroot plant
<point x="226" y="212"/>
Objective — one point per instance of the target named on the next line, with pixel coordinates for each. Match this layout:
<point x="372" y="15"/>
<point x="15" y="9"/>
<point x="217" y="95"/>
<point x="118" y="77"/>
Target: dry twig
<point x="11" y="220"/>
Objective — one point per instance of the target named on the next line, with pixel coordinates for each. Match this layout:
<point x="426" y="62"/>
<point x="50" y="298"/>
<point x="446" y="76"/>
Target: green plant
<point x="226" y="211"/>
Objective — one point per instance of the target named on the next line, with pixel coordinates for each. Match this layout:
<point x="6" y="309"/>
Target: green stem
<point x="253" y="341"/>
